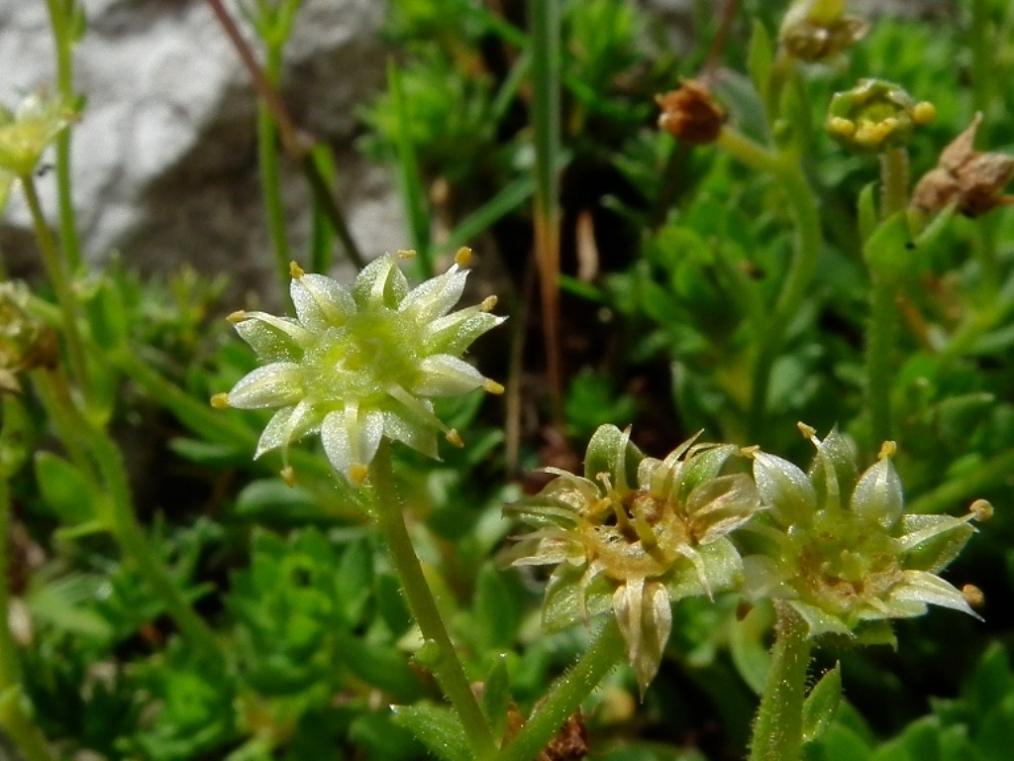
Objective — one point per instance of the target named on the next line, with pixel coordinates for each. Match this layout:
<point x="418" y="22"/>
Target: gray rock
<point x="165" y="165"/>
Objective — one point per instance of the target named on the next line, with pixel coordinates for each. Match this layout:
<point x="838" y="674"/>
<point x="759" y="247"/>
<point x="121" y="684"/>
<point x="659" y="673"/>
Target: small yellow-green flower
<point x="876" y="115"/>
<point x="843" y="552"/>
<point x="634" y="535"/>
<point x="28" y="130"/>
<point x="362" y="363"/>
<point x="814" y="30"/>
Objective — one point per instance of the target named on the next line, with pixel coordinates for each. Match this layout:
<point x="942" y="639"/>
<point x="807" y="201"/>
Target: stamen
<point x="358" y="473"/>
<point x="454" y="438"/>
<point x="493" y="387"/>
<point x="295" y="271"/>
<point x="238" y="316"/>
<point x="887" y="450"/>
<point x="981" y="510"/>
<point x="973" y="595"/>
<point x="288" y="475"/>
<point x="220" y="401"/>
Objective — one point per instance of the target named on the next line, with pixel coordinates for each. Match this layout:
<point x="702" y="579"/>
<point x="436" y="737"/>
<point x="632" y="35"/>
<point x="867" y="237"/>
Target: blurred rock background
<point x="165" y="166"/>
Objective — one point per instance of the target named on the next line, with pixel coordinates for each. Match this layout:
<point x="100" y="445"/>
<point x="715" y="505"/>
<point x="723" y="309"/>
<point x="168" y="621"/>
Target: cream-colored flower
<point x="635" y="534"/>
<point x="361" y="363"/>
<point x="28" y="130"/>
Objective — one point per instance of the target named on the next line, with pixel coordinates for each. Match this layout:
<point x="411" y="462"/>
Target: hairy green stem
<point x="13" y="717"/>
<point x="63" y="43"/>
<point x="270" y="176"/>
<point x="566" y="695"/>
<point x="882" y="327"/>
<point x="53" y="263"/>
<point x="809" y="240"/>
<point x="448" y="669"/>
<point x="778" y="728"/>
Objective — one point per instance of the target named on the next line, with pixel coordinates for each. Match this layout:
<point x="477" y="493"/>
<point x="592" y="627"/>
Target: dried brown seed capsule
<point x="691" y="113"/>
<point x="970" y="179"/>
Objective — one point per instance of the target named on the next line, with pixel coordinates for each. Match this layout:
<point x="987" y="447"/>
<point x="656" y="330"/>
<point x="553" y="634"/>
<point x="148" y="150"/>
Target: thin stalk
<point x="882" y="328"/>
<point x="409" y="179"/>
<point x="448" y="669"/>
<point x="12" y="715"/>
<point x="63" y="44"/>
<point x="271" y="188"/>
<point x="566" y="695"/>
<point x="993" y="472"/>
<point x="778" y="729"/>
<point x="544" y="20"/>
<point x="806" y="252"/>
<point x="53" y="263"/>
<point x="297" y="144"/>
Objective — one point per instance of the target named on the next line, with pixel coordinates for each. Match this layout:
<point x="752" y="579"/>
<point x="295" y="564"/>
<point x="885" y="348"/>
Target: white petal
<point x="273" y="338"/>
<point x="418" y="437"/>
<point x="288" y="425"/>
<point x="435" y="297"/>
<point x="878" y="496"/>
<point x="444" y="375"/>
<point x="785" y="488"/>
<point x="922" y="586"/>
<point x="320" y="301"/>
<point x="274" y="385"/>
<point x="380" y="282"/>
<point x="455" y="332"/>
<point x="351" y="438"/>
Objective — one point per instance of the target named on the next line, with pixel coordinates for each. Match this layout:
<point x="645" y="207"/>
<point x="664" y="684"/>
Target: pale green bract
<point x="361" y="363"/>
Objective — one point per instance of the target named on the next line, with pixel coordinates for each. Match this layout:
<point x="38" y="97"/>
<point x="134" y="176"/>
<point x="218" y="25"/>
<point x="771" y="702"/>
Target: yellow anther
<point x="238" y="316"/>
<point x="889" y="125"/>
<point x="463" y="257"/>
<point x="454" y="438"/>
<point x="493" y="387"/>
<point x="295" y="271"/>
<point x="288" y="475"/>
<point x="924" y="112"/>
<point x="973" y="595"/>
<point x="406" y="253"/>
<point x="220" y="401"/>
<point x="358" y="473"/>
<point x="981" y="509"/>
<point x="808" y="431"/>
<point x="749" y="451"/>
<point x="488" y="304"/>
<point x="841" y="126"/>
<point x="887" y="450"/>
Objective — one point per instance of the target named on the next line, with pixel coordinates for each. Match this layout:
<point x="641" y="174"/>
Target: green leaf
<point x="746" y="645"/>
<point x="272" y="499"/>
<point x="496" y="609"/>
<point x="66" y="490"/>
<point x="209" y="453"/>
<point x="496" y="697"/>
<point x="867" y="208"/>
<point x="354" y="581"/>
<point x="381" y="665"/>
<point x="509" y="198"/>
<point x="14" y="436"/>
<point x="889" y="249"/>
<point x="437" y="728"/>
<point x="821" y="705"/>
<point x="840" y="743"/>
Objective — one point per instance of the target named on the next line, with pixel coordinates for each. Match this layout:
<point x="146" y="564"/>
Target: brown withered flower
<point x="691" y="113"/>
<point x="971" y="180"/>
<point x="25" y="342"/>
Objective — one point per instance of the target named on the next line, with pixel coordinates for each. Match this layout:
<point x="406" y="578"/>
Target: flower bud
<point x="691" y="113"/>
<point x="971" y="180"/>
<point x="875" y="116"/>
<point x="814" y="30"/>
<point x="29" y="129"/>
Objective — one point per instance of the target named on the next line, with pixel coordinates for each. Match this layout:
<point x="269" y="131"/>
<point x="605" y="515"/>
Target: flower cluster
<point x="843" y="552"/>
<point x="876" y="115"/>
<point x="362" y="363"/>
<point x="636" y="534"/>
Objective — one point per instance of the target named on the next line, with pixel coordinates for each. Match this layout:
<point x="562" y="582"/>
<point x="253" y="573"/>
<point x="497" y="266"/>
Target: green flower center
<point x="361" y="360"/>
